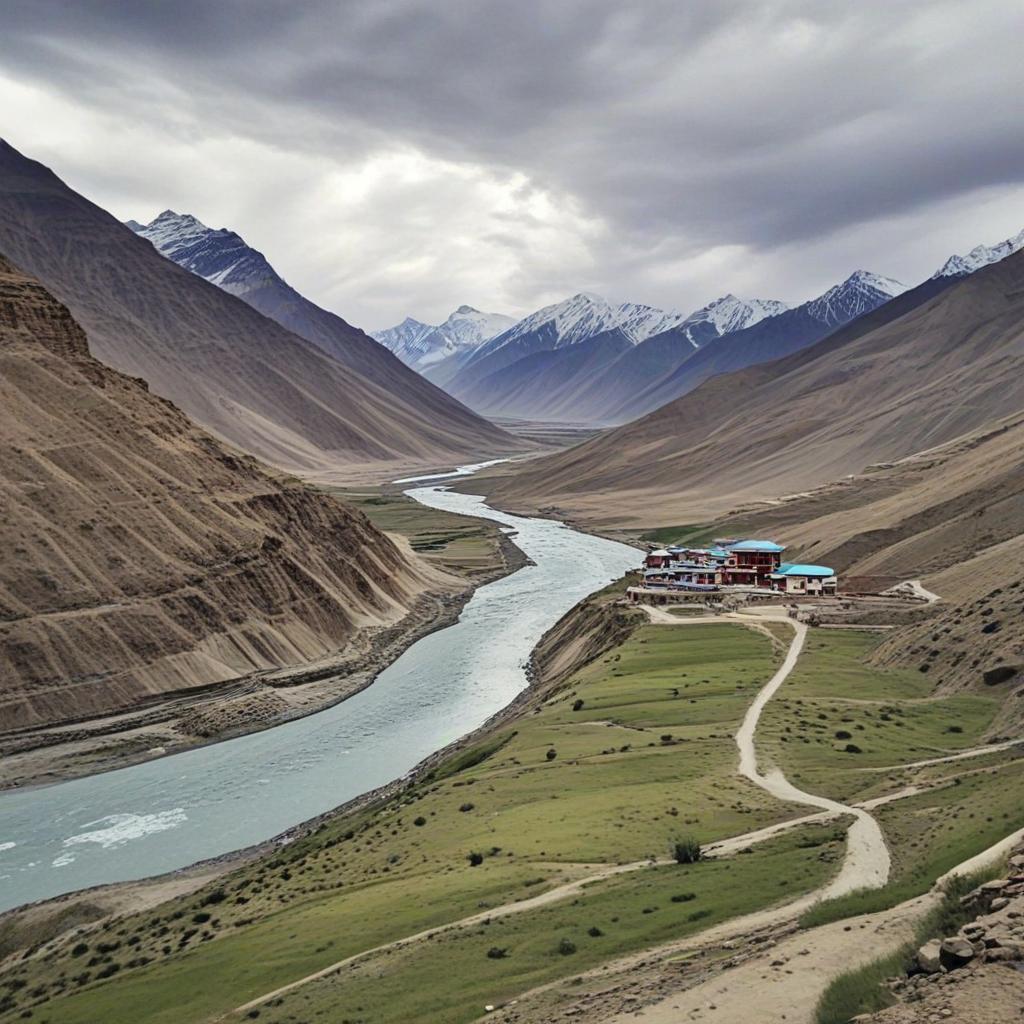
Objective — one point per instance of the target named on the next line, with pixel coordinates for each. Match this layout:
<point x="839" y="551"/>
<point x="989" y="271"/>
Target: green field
<point x="833" y="701"/>
<point x="646" y="758"/>
<point x="450" y="979"/>
<point x="460" y="544"/>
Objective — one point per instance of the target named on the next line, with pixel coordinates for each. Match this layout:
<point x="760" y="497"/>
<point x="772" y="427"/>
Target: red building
<point x="751" y="563"/>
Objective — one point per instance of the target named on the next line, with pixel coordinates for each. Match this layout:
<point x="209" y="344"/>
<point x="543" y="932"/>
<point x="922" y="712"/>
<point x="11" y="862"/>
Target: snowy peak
<point x="860" y="293"/>
<point x="470" y="327"/>
<point x="730" y="313"/>
<point x="420" y="345"/>
<point x="640" y="322"/>
<point x="217" y="255"/>
<point x="980" y="256"/>
<point x="575" y="319"/>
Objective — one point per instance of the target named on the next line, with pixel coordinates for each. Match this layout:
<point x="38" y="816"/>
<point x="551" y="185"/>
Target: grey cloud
<point x="682" y="126"/>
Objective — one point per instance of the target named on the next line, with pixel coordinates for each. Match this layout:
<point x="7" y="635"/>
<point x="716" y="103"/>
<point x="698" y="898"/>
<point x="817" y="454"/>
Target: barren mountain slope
<point x="223" y="258"/>
<point x="943" y="515"/>
<point x="977" y="645"/>
<point x="942" y="370"/>
<point x="544" y="385"/>
<point x="227" y="366"/>
<point x="141" y="555"/>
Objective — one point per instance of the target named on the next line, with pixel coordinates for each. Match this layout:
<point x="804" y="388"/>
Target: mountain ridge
<point x="811" y="417"/>
<point x="147" y="557"/>
<point x="232" y="369"/>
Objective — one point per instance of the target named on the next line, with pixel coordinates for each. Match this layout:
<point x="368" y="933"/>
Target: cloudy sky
<point x="397" y="157"/>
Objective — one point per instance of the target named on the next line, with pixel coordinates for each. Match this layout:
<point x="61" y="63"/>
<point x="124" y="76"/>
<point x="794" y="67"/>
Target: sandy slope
<point x="142" y="556"/>
<point x="945" y="369"/>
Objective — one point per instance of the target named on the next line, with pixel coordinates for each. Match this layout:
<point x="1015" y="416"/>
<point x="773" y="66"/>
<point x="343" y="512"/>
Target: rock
<point x="955" y="952"/>
<point x="999" y="902"/>
<point x="929" y="957"/>
<point x="995" y="886"/>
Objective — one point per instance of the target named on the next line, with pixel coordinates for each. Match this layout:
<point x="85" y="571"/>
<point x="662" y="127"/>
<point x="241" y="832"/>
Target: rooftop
<point x="756" y="545"/>
<point x="791" y="569"/>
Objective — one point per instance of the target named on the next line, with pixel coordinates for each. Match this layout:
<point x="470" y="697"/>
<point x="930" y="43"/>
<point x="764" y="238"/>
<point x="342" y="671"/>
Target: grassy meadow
<point x="635" y="752"/>
<point x="460" y="544"/>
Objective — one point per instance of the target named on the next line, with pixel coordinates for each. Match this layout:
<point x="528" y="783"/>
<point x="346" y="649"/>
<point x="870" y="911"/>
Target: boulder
<point x="929" y="957"/>
<point x="955" y="952"/>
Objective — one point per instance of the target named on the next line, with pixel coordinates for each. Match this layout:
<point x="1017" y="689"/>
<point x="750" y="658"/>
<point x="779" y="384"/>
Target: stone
<point x="929" y="957"/>
<point x="999" y="902"/>
<point x="955" y="952"/>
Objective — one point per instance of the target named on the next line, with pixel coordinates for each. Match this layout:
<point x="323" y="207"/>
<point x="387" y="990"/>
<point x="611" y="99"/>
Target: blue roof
<point x="789" y="569"/>
<point x="756" y="545"/>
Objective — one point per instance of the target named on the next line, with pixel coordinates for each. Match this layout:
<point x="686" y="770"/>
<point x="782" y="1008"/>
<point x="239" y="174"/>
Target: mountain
<point x="222" y="258"/>
<point x="142" y="555"/>
<point x="766" y="339"/>
<point x="421" y="345"/>
<point x="980" y="256"/>
<point x="502" y="376"/>
<point x="932" y="367"/>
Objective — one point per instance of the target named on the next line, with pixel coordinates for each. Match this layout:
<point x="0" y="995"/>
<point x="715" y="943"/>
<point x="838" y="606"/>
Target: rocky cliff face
<point x="142" y="555"/>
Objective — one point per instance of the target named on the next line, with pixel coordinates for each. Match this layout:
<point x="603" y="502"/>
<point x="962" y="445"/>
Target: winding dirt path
<point x="867" y="861"/>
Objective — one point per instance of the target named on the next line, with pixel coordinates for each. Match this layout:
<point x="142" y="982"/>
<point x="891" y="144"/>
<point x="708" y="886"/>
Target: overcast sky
<point x="395" y="157"/>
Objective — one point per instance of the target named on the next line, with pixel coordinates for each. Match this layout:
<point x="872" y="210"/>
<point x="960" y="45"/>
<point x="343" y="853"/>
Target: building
<point x="807" y="580"/>
<point x="743" y="564"/>
<point x="750" y="563"/>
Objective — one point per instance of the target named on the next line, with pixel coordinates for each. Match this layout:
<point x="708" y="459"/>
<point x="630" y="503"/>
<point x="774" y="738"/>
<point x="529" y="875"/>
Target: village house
<point x="752" y="565"/>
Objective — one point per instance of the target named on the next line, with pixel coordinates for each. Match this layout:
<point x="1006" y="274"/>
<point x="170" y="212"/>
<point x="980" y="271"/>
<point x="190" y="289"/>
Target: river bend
<point x="167" y="813"/>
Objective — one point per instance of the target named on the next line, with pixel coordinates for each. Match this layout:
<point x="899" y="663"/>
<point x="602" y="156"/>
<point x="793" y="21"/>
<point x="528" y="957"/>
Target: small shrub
<point x="566" y="947"/>
<point x="466" y="807"/>
<point x="80" y="949"/>
<point x="497" y="953"/>
<point x="842" y="734"/>
<point x="475" y="859"/>
<point x="577" y="705"/>
<point x="201" y="918"/>
<point x="686" y="850"/>
<point x="684" y="897"/>
<point x="551" y="754"/>
<point x="420" y="821"/>
<point x="594" y="932"/>
<point x="851" y="748"/>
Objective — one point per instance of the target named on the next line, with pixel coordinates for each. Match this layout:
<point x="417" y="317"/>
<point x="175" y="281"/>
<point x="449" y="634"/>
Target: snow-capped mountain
<point x="726" y="315"/>
<point x="980" y="256"/>
<point x="223" y="259"/>
<point x="420" y="345"/>
<point x="860" y="293"/>
<point x="575" y="319"/>
<point x="216" y="254"/>
<point x="584" y="316"/>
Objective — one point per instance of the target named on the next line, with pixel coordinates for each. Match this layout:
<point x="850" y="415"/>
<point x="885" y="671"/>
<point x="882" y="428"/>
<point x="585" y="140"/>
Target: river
<point x="173" y="811"/>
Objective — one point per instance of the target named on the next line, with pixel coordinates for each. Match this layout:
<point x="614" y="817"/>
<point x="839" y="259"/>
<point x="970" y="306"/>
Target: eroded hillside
<point x="143" y="555"/>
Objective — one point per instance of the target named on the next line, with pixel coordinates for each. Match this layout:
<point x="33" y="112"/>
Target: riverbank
<point x="469" y="553"/>
<point x="582" y="635"/>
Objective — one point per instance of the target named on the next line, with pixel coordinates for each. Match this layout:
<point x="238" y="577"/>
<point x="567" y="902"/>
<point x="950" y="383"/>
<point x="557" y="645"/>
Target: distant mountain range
<point x="586" y="360"/>
<point x="896" y="441"/>
<point x="980" y="256"/>
<point x="420" y="345"/>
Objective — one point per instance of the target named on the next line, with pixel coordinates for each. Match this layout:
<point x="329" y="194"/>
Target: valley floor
<point x="531" y="869"/>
